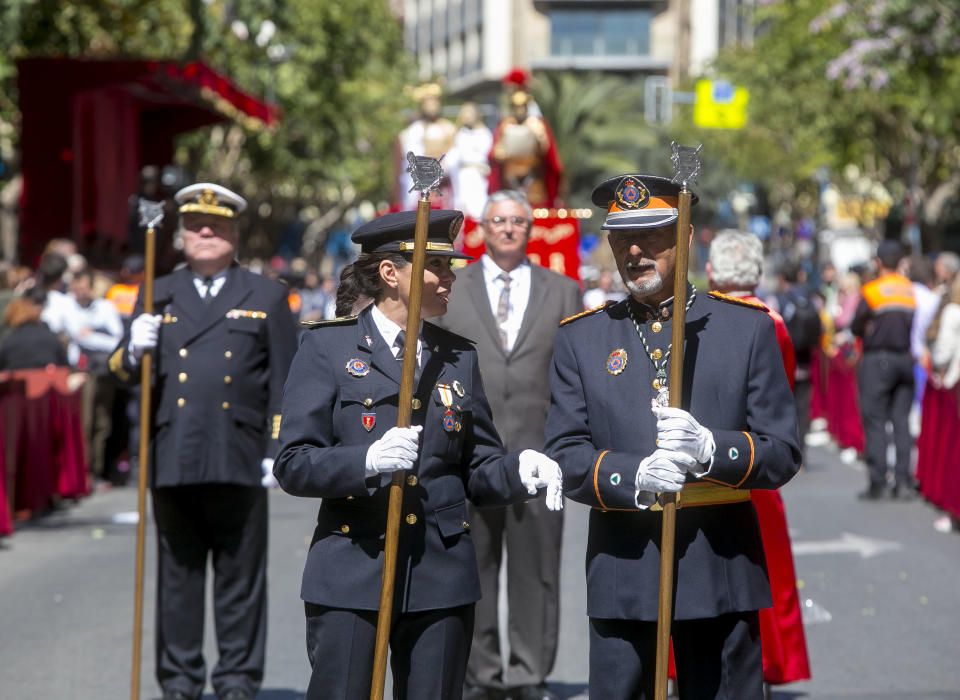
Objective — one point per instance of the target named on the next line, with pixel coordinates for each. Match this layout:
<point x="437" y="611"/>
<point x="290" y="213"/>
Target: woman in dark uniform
<point x="340" y="444"/>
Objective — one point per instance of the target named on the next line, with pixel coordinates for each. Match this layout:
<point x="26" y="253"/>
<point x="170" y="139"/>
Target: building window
<point x="592" y="33"/>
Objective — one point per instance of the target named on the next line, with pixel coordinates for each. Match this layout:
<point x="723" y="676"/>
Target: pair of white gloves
<point x="397" y="450"/>
<point x="683" y="447"/>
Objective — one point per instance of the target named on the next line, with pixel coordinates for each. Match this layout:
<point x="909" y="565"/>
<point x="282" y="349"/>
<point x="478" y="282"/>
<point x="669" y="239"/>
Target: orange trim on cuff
<point x="749" y="466"/>
<point x="596" y="474"/>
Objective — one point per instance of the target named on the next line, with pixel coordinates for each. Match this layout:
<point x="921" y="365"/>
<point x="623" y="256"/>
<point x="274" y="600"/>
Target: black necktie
<point x="207" y="290"/>
<point x="400" y="344"/>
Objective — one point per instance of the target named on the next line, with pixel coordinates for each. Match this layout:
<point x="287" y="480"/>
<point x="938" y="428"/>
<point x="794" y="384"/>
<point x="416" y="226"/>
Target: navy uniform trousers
<point x="220" y="368"/>
<point x="341" y="395"/>
<point x="600" y="428"/>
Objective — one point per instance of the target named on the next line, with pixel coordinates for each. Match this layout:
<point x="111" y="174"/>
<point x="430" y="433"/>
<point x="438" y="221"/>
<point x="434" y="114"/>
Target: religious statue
<point x="428" y="135"/>
<point x="468" y="165"/>
<point x="524" y="154"/>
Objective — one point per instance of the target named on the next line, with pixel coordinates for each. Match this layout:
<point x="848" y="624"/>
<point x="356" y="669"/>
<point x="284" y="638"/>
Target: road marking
<point x="847" y="544"/>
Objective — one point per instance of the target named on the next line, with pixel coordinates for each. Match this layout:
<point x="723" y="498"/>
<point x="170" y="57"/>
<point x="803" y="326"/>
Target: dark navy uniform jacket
<point x="325" y="441"/>
<point x="220" y="369"/>
<point x="600" y="427"/>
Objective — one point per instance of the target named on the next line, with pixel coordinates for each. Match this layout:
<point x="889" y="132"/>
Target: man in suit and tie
<point x="512" y="310"/>
<point x="222" y="348"/>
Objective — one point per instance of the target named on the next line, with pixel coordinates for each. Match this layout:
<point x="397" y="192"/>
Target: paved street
<point x="879" y="587"/>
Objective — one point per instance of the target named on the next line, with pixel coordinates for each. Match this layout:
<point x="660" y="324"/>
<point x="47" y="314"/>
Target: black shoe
<point x="903" y="493"/>
<point x="236" y="694"/>
<point x="532" y="692"/>
<point x="873" y="493"/>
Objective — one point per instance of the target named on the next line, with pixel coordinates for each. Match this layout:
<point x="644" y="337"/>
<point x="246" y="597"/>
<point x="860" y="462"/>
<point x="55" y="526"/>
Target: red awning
<point x="90" y="125"/>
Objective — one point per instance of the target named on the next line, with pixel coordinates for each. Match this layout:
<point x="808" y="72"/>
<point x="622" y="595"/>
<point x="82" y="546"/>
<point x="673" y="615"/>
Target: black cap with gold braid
<point x="393" y="233"/>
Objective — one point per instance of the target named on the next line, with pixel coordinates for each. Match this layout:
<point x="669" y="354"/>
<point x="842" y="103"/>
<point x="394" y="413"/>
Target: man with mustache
<point x="619" y="445"/>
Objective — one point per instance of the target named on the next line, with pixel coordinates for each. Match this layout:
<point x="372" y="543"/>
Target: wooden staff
<point x="146" y="370"/>
<point x="669" y="500"/>
<point x="404" y="416"/>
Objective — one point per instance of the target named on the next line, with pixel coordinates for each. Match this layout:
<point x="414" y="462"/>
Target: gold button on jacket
<point x="411" y="519"/>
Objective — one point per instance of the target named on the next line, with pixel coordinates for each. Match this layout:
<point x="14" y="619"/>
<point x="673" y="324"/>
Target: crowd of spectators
<point x="67" y="314"/>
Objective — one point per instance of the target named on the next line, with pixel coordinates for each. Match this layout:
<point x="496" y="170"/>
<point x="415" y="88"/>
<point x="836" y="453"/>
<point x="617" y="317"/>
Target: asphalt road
<point x="878" y="584"/>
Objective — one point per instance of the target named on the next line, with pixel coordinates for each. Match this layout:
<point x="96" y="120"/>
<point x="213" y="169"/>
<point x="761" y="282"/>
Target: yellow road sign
<point x="720" y="105"/>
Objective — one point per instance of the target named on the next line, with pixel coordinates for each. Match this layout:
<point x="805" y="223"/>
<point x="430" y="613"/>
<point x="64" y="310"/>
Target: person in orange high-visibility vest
<point x="885" y="380"/>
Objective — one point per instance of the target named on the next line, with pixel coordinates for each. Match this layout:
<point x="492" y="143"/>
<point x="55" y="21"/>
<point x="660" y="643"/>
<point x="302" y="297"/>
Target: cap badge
<point x="358" y="368"/>
<point x="368" y="420"/>
<point x="631" y="194"/>
<point x="208" y="197"/>
<point x="617" y="361"/>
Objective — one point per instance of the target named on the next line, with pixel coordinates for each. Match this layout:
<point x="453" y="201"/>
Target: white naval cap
<point x="208" y="198"/>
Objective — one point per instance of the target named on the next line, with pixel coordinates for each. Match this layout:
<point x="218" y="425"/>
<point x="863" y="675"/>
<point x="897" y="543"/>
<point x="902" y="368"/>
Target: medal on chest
<point x="450" y="420"/>
<point x="658" y="358"/>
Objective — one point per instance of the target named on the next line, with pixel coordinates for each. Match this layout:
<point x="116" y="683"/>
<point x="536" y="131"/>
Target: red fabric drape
<point x="6" y="521"/>
<point x="843" y="404"/>
<point x="106" y="137"/>
<point x="938" y="460"/>
<point x="43" y="422"/>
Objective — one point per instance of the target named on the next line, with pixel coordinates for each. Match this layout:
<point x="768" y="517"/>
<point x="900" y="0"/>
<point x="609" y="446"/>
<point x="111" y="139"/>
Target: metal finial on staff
<point x="151" y="216"/>
<point x="686" y="163"/>
<point x="426" y="174"/>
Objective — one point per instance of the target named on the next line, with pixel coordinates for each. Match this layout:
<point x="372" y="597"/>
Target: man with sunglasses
<point x="222" y="340"/>
<point x="512" y="309"/>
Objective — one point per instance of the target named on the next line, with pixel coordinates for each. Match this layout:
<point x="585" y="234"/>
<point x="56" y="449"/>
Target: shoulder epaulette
<point x="341" y="321"/>
<point x="595" y="309"/>
<point x="740" y="301"/>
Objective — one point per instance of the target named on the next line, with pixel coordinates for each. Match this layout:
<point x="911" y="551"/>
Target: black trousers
<point x="532" y="535"/>
<point x="428" y="653"/>
<point x="717" y="658"/>
<point x="228" y="523"/>
<point x="886" y="385"/>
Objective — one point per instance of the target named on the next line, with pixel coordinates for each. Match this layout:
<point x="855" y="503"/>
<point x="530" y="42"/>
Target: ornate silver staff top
<point x="686" y="163"/>
<point x="425" y="172"/>
<point x="151" y="213"/>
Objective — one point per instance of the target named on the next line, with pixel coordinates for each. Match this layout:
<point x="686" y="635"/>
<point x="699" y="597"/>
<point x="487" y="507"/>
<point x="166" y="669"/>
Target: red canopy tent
<point x="88" y="126"/>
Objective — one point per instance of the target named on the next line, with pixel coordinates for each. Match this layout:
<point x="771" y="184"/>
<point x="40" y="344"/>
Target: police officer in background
<point x="883" y="319"/>
<point x="223" y="344"/>
<point x="619" y="446"/>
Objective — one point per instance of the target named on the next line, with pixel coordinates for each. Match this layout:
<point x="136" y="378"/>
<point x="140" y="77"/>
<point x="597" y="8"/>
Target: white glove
<point x="143" y="334"/>
<point x="678" y="431"/>
<point x="397" y="449"/>
<point x="538" y="471"/>
<point x="268" y="480"/>
<point x="663" y="471"/>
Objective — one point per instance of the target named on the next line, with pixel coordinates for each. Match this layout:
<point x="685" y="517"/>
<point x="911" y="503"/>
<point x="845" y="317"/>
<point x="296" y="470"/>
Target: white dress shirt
<point x="93" y="328"/>
<point x="215" y="286"/>
<point x="519" y="295"/>
<point x="390" y="330"/>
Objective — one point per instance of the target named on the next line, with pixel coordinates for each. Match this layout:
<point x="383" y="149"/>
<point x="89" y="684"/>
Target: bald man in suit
<point x="512" y="309"/>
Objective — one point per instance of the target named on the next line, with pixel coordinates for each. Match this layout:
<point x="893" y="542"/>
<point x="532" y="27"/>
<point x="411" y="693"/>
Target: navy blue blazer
<point x="342" y="395"/>
<point x="600" y="427"/>
<point x="220" y="369"/>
